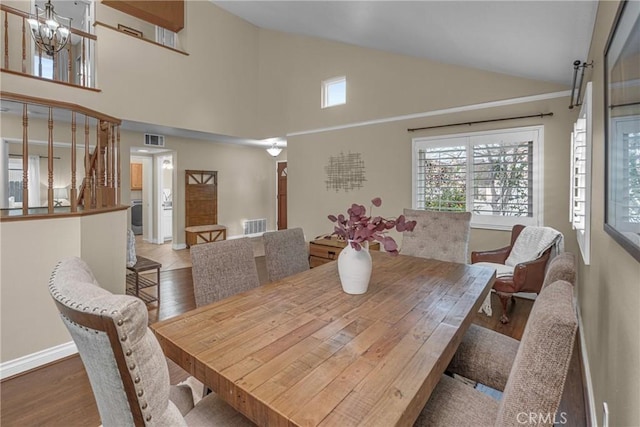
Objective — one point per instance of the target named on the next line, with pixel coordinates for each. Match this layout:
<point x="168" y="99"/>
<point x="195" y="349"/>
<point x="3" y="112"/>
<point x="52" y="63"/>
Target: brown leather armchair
<point x="527" y="276"/>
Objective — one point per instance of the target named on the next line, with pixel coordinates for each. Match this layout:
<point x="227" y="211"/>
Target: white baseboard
<point x="34" y="360"/>
<point x="178" y="246"/>
<point x="587" y="371"/>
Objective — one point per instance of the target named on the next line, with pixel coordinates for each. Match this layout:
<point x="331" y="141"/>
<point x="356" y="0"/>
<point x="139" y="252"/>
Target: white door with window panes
<point x="495" y="175"/>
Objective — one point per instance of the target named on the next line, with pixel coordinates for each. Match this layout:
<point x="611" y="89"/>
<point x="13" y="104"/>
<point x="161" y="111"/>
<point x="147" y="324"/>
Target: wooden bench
<point x="206" y="234"/>
<point x="135" y="283"/>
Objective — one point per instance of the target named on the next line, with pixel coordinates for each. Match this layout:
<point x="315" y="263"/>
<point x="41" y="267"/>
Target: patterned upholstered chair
<point x="125" y="364"/>
<point x="285" y="253"/>
<point x="536" y="380"/>
<point x="487" y="356"/>
<point x="221" y="269"/>
<point x="438" y="235"/>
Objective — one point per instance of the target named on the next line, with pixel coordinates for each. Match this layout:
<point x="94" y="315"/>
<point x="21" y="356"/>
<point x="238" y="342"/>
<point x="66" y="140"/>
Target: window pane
<point x="334" y="92"/>
<point x="442" y="183"/>
<point x="47" y="66"/>
<point x="631" y="143"/>
<point x="503" y="178"/>
<point x="625" y="182"/>
<point x="337" y="93"/>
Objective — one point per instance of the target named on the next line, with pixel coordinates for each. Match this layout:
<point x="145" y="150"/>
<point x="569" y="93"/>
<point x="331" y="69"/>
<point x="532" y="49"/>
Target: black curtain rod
<point x="481" y="121"/>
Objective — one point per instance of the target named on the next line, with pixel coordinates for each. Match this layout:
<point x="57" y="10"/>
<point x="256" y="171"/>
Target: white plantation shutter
<point x="442" y="178"/>
<point x="503" y="179"/>
<point x="495" y="175"/>
<point x="580" y="197"/>
<point x="579" y="174"/>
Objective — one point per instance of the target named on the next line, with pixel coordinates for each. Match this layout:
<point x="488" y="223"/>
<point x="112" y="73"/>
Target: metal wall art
<point x="345" y="172"/>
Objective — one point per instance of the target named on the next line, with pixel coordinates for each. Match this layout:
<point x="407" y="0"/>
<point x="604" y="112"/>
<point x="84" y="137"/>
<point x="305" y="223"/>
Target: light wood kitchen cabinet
<point x="136" y="176"/>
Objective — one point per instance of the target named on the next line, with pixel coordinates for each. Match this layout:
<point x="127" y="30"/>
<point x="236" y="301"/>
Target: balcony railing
<point x="82" y="162"/>
<point x="72" y="65"/>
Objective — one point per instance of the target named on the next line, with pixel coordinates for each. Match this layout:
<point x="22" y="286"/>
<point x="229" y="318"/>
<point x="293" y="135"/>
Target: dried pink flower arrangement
<point x="358" y="228"/>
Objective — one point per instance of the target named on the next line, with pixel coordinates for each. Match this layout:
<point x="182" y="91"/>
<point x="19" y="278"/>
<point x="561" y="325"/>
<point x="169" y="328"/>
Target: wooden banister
<point x="15" y="34"/>
<point x="100" y="186"/>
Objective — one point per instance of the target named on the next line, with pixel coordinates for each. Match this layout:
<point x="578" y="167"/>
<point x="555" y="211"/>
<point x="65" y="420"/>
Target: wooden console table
<point x="135" y="283"/>
<point x="323" y="250"/>
<point x="207" y="234"/>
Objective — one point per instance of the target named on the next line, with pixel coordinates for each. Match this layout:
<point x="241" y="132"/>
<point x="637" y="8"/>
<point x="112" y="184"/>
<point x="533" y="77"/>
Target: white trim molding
<point x="471" y="107"/>
<point x="37" y="359"/>
<point x="587" y="371"/>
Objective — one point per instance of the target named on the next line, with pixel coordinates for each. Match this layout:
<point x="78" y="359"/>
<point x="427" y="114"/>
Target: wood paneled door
<point x="282" y="195"/>
<point x="201" y="198"/>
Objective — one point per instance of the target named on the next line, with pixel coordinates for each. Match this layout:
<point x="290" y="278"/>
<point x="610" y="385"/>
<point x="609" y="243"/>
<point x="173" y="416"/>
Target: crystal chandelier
<point x="50" y="31"/>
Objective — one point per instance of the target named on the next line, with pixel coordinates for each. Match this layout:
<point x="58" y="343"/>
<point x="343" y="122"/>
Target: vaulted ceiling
<point x="533" y="39"/>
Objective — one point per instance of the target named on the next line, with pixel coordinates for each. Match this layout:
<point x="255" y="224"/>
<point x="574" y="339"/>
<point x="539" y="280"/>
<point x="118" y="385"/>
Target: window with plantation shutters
<point x="494" y="175"/>
<point x="580" y="197"/>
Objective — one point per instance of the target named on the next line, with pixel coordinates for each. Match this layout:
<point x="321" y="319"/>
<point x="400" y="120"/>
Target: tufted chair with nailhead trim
<point x="125" y="364"/>
<point x="438" y="235"/>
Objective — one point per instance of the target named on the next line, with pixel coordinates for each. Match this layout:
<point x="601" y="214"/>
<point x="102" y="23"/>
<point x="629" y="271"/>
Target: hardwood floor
<point x="60" y="394"/>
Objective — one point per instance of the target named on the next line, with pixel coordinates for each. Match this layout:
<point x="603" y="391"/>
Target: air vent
<point x="255" y="226"/>
<point x="153" y="140"/>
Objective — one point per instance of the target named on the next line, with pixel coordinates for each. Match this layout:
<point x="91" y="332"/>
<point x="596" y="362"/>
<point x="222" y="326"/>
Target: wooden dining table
<point x="301" y="352"/>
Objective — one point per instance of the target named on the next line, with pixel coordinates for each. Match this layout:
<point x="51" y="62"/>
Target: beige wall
<point x="382" y="85"/>
<point x="609" y="295"/>
<point x="29" y="250"/>
<point x="379" y="84"/>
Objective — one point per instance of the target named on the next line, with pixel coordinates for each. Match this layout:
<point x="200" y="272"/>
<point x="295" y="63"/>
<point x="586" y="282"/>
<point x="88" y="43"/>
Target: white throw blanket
<point x="530" y="245"/>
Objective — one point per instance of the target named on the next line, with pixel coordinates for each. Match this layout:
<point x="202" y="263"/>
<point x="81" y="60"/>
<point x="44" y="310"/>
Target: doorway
<point x="282" y="195"/>
<point x="142" y="196"/>
<point x="165" y="188"/>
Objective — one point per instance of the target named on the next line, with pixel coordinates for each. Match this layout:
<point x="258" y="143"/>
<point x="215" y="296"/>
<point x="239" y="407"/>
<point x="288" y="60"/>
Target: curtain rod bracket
<point x="577" y="66"/>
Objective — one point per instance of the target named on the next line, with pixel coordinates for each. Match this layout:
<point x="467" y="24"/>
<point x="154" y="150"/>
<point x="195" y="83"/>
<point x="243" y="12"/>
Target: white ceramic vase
<point x="354" y="268"/>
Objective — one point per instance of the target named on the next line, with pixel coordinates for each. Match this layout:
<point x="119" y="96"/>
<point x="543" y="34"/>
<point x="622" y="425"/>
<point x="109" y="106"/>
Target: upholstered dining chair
<point x="562" y="267"/>
<point x="126" y="367"/>
<point x="536" y="380"/>
<point x="486" y="356"/>
<point x="285" y="253"/>
<point x="438" y="235"/>
<point x="221" y="269"/>
<point x="521" y="266"/>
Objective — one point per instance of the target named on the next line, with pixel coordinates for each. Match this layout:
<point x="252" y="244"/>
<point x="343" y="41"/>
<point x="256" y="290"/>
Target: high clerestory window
<point x="497" y="176"/>
<point x="334" y="92"/>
